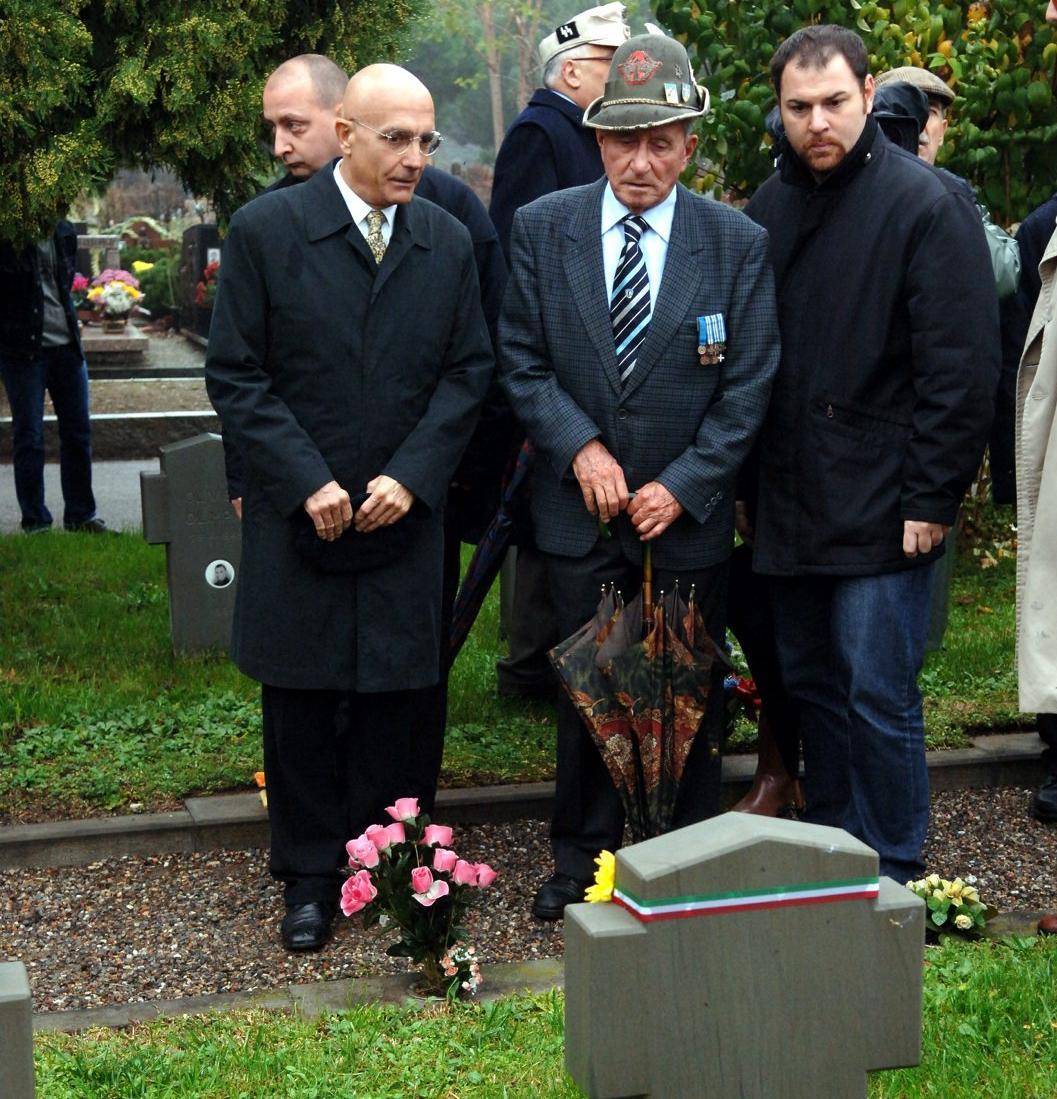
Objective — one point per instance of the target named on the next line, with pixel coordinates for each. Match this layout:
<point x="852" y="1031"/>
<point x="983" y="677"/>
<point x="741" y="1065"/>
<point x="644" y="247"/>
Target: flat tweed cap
<point x="601" y="26"/>
<point x="650" y="84"/>
<point x="927" y="81"/>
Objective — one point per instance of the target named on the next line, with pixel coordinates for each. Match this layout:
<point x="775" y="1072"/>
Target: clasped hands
<point x="605" y="492"/>
<point x="330" y="508"/>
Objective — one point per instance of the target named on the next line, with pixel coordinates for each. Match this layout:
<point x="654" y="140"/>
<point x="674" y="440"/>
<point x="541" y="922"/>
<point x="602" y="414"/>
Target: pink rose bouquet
<point x="405" y="875"/>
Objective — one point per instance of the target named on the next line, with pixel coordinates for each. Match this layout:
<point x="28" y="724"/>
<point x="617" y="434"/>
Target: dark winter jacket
<point x="21" y="296"/>
<point x="547" y="148"/>
<point x="884" y="396"/>
<point x="1032" y="237"/>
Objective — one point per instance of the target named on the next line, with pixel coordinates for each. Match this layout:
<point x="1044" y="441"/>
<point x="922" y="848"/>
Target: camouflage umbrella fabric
<point x="641" y="689"/>
<point x="576" y="662"/>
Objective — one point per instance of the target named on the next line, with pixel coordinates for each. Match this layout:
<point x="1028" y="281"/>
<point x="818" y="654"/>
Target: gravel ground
<point x="183" y="925"/>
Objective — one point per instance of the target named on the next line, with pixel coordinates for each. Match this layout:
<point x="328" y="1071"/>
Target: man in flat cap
<point x="348" y="357"/>
<point x="546" y="149"/>
<point x="638" y="340"/>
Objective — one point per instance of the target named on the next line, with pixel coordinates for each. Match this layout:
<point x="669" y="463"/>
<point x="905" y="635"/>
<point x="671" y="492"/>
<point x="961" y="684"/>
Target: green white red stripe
<point x="716" y="904"/>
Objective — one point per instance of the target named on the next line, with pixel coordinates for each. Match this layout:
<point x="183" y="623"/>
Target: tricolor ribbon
<point x="715" y="904"/>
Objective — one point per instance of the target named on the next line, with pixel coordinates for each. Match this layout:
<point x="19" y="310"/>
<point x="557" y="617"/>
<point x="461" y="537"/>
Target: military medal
<point x="711" y="339"/>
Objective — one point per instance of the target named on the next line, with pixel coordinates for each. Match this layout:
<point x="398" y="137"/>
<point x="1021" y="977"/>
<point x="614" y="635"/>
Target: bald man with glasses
<point x="348" y="358"/>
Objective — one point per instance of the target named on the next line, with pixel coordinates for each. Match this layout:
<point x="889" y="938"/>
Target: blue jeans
<point x="850" y="649"/>
<point x="63" y="373"/>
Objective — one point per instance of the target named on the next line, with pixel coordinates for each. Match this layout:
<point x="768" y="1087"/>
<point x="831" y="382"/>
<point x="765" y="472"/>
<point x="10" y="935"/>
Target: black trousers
<point x="333" y="760"/>
<point x="588" y="813"/>
<point x="751" y="620"/>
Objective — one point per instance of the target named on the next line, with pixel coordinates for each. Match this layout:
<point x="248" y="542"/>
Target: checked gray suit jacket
<point x="688" y="426"/>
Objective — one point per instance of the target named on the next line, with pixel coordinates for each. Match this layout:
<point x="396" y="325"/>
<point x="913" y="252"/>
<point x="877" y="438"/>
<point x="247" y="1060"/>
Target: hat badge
<point x="638" y="67"/>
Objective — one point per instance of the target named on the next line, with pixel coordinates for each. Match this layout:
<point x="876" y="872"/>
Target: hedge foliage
<point x="997" y="55"/>
<point x="87" y="86"/>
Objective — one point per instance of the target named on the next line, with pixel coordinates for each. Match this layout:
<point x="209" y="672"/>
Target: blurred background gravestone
<point x="743" y="958"/>
<point x="16" y="1033"/>
<point x="186" y="508"/>
<point x="201" y="243"/>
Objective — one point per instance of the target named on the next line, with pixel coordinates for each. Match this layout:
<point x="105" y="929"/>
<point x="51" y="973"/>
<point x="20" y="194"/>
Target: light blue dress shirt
<point x="653" y="242"/>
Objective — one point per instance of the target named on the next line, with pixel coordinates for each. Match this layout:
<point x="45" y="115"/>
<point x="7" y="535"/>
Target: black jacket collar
<point x="870" y="144"/>
<point x="326" y="212"/>
<point x="544" y="97"/>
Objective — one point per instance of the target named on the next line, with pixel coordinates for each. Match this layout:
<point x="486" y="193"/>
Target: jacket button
<point x="622" y="413"/>
<point x="829" y="412"/>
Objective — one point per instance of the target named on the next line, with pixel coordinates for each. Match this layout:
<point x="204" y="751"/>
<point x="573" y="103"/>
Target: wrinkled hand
<point x="922" y="537"/>
<point x="236" y="506"/>
<point x="388" y="502"/>
<point x="601" y="481"/>
<point x="330" y="510"/>
<point x="742" y="522"/>
<point x="653" y="510"/>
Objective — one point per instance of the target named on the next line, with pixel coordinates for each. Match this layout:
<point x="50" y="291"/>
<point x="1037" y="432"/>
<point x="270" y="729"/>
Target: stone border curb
<point x="307" y="999"/>
<point x="240" y="821"/>
<point x="123" y="435"/>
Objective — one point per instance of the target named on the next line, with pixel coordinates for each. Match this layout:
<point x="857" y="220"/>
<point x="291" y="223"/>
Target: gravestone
<point x="186" y="508"/>
<point x="201" y="244"/>
<point x="16" y="1032"/>
<point x="743" y="957"/>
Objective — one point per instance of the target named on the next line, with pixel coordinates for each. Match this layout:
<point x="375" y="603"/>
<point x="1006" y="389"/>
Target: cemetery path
<point x="170" y="926"/>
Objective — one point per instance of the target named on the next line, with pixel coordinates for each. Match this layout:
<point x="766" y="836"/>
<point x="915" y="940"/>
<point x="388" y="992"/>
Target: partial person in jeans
<point x="879" y="416"/>
<point x="40" y="352"/>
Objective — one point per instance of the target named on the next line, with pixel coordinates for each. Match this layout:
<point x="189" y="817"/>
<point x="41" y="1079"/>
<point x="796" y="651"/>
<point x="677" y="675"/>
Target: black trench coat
<point x="324" y="367"/>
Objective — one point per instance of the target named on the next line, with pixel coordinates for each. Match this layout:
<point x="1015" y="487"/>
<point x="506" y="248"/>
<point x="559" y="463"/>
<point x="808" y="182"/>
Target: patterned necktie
<point x="375" y="240"/>
<point x="629" y="309"/>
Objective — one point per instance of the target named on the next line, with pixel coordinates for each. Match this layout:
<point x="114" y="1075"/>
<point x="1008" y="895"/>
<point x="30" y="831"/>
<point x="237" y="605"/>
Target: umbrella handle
<point x="647" y="584"/>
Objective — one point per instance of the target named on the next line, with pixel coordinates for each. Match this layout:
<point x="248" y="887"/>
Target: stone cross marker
<point x="743" y="957"/>
<point x="16" y="1032"/>
<point x="186" y="507"/>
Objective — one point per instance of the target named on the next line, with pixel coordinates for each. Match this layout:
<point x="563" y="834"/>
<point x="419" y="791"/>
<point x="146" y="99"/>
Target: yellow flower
<point x="933" y="880"/>
<point x="970" y="894"/>
<point x="139" y="266"/>
<point x="963" y="922"/>
<point x="939" y="895"/>
<point x="605" y="879"/>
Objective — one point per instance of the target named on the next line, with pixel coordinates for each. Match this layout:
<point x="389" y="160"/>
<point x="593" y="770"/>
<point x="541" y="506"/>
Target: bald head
<point x="325" y="78"/>
<point x="301" y="101"/>
<point x="386" y="122"/>
<point x="380" y="88"/>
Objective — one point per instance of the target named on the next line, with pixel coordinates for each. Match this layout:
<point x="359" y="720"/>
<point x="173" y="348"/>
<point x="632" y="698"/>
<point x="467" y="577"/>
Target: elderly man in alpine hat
<point x="638" y="340"/>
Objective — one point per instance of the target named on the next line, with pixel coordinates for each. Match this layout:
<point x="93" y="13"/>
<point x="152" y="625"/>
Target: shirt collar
<point x="658" y="218"/>
<point x="357" y="207"/>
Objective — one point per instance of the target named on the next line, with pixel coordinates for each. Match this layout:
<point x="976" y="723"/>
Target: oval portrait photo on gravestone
<point x="219" y="573"/>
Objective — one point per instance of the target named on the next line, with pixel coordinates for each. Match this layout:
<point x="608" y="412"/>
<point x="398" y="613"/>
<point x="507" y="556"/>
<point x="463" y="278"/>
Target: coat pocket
<point x="857" y="462"/>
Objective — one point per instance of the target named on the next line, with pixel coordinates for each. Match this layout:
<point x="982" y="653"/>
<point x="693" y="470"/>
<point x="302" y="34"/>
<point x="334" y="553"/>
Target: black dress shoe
<point x="306" y="926"/>
<point x="1044" y="803"/>
<point x="555" y="893"/>
<point x="95" y="525"/>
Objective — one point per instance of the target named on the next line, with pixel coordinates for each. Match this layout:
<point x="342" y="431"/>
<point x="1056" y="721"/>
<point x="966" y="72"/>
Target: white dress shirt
<point x="359" y="209"/>
<point x="653" y="242"/>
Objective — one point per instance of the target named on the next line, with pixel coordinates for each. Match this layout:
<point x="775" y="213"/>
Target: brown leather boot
<point x="773" y="788"/>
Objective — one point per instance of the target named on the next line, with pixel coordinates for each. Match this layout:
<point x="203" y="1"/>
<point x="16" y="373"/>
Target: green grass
<point x="96" y="713"/>
<point x="989" y="1031"/>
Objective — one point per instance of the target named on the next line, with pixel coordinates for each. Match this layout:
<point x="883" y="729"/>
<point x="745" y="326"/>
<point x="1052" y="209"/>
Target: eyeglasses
<point x="401" y="140"/>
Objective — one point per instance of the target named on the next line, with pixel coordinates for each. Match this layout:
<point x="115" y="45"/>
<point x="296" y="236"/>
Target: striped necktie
<point x="629" y="309"/>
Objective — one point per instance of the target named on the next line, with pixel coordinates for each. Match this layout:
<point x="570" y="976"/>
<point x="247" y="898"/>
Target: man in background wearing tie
<point x="348" y="358"/>
<point x="638" y="340"/>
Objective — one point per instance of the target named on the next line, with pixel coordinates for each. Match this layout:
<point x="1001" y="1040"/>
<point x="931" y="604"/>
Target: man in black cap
<point x="638" y="342"/>
<point x="879" y="418"/>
